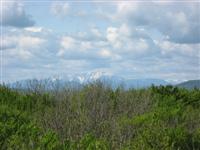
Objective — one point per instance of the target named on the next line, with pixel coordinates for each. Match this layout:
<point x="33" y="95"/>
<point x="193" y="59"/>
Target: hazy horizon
<point x="130" y="39"/>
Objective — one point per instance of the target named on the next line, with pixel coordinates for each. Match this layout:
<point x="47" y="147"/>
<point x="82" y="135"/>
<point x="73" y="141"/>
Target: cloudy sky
<point x="132" y="39"/>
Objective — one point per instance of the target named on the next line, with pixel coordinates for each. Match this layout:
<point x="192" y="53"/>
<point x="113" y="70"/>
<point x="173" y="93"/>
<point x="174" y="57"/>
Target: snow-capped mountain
<point x="86" y="78"/>
<point x="89" y="77"/>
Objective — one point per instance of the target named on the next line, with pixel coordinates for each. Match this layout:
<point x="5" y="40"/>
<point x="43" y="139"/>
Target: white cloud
<point x="23" y="46"/>
<point x="60" y="9"/>
<point x="13" y="14"/>
<point x="27" y="42"/>
<point x="113" y="37"/>
<point x="112" y="34"/>
<point x="24" y="54"/>
<point x="105" y="53"/>
<point x="126" y="7"/>
<point x="67" y="42"/>
<point x="108" y="54"/>
<point x="85" y="45"/>
<point x="96" y="32"/>
<point x="34" y="29"/>
<point x="174" y="49"/>
<point x="74" y="48"/>
<point x="139" y="46"/>
<point x="125" y="30"/>
<point x="170" y="19"/>
<point x="7" y="43"/>
<point x="152" y="40"/>
<point x="130" y="42"/>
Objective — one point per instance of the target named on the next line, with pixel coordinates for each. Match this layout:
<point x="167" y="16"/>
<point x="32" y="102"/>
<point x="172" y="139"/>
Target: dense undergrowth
<point x="96" y="117"/>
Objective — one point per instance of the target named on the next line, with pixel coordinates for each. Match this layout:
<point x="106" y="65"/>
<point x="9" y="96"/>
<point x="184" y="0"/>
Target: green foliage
<point x="166" y="126"/>
<point x="18" y="132"/>
<point x="96" y="117"/>
<point x="89" y="142"/>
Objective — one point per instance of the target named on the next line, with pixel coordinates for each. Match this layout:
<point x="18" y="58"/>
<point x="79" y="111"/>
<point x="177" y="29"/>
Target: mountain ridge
<point x="112" y="80"/>
<point x="86" y="78"/>
<point x="190" y="84"/>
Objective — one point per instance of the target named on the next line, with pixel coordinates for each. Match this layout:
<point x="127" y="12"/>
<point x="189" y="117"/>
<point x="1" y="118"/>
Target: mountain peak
<point x="90" y="76"/>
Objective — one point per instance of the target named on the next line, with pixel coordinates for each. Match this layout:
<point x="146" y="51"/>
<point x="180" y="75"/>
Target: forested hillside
<point x="96" y="117"/>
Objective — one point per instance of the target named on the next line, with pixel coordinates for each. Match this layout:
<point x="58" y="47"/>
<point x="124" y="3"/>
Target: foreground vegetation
<point x="96" y="117"/>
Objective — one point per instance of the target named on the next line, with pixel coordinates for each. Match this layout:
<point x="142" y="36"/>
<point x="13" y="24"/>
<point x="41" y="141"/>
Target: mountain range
<point x="113" y="80"/>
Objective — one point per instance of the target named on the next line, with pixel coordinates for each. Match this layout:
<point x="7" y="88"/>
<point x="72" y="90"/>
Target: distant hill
<point x="190" y="84"/>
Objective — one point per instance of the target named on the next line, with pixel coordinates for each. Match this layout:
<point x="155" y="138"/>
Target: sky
<point x="131" y="39"/>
